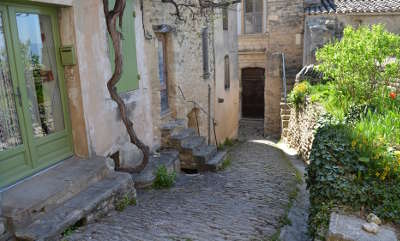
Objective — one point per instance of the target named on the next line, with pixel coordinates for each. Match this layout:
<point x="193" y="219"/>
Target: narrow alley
<point x="247" y="201"/>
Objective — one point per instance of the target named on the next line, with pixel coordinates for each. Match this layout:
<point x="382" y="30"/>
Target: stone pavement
<point x="244" y="202"/>
<point x="297" y="230"/>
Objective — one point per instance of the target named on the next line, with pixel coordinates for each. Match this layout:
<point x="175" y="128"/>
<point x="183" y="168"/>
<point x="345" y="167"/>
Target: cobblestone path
<point x="245" y="202"/>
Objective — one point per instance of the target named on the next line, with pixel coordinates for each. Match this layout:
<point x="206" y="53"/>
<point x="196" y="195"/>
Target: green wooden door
<point x="36" y="92"/>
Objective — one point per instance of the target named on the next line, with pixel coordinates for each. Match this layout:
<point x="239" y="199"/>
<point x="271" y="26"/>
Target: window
<point x="206" y="68"/>
<point x="225" y="18"/>
<point x="162" y="73"/>
<point x="227" y="73"/>
<point x="130" y="79"/>
<point x="253" y="16"/>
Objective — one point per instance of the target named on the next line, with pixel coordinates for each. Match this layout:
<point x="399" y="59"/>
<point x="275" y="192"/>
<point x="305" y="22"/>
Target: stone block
<point x="349" y="228"/>
<point x="130" y="156"/>
<point x="2" y="226"/>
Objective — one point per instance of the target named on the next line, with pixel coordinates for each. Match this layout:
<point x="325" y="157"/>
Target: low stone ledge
<point x="349" y="228"/>
<point x="302" y="127"/>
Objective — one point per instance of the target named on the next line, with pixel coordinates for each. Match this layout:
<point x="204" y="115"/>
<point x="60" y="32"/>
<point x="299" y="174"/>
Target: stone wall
<point x="185" y="70"/>
<point x="302" y="126"/>
<point x="285" y="26"/>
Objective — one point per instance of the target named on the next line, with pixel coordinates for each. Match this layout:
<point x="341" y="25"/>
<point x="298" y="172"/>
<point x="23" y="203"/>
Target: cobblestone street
<point x="247" y="201"/>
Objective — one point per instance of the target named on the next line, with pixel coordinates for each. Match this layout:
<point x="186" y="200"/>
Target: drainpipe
<point x="284" y="76"/>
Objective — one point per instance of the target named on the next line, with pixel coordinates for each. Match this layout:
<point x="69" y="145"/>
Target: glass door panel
<point x="37" y="49"/>
<point x="10" y="134"/>
<point x="14" y="155"/>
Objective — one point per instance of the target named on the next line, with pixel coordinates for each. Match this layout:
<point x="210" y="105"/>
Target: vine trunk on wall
<point x="114" y="17"/>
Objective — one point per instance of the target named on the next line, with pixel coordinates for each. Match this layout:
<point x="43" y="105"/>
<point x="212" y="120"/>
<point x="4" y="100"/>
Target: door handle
<point x="18" y="95"/>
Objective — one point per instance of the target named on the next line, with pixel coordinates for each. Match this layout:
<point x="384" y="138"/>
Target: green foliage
<point x="362" y="64"/>
<point x="340" y="176"/>
<point x="163" y="178"/>
<point x="299" y="93"/>
<point x="71" y="229"/>
<point x="226" y="163"/>
<point x="355" y="158"/>
<point x="227" y="144"/>
<point x="124" y="202"/>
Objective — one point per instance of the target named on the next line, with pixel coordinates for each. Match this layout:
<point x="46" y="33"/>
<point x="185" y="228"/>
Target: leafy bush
<point x="163" y="178"/>
<point x="299" y="93"/>
<point x="124" y="202"/>
<point x="362" y="64"/>
<point x="355" y="158"/>
<point x="340" y="176"/>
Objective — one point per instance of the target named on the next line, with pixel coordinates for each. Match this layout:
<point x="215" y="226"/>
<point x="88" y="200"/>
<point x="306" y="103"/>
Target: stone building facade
<point x="172" y="69"/>
<point x="271" y="37"/>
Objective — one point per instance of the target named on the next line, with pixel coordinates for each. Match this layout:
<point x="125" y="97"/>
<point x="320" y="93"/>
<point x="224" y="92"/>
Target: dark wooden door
<point x="253" y="81"/>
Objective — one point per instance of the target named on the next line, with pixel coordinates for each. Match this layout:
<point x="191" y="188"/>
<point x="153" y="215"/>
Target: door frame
<point x="60" y="143"/>
<point x="242" y="90"/>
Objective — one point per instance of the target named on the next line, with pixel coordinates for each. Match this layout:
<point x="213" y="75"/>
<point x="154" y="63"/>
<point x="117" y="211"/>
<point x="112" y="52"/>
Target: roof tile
<point x="354" y="6"/>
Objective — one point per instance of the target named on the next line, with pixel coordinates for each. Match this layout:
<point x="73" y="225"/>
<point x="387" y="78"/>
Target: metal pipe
<point x="209" y="115"/>
<point x="284" y="76"/>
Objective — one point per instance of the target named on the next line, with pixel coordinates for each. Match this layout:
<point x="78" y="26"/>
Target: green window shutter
<point x="130" y="78"/>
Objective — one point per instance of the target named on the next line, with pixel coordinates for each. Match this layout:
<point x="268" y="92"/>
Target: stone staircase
<point x="75" y="191"/>
<point x="285" y="117"/>
<point x="167" y="158"/>
<point x="194" y="153"/>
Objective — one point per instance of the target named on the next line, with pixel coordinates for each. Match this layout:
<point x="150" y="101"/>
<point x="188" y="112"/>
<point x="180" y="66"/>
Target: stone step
<point x="204" y="153"/>
<point x="192" y="142"/>
<point x="285" y="124"/>
<point x="169" y="129"/>
<point x="173" y="125"/>
<point x="89" y="204"/>
<point x="45" y="191"/>
<point x="215" y="163"/>
<point x="285" y="117"/>
<point x="176" y="138"/>
<point x="285" y="112"/>
<point x="168" y="158"/>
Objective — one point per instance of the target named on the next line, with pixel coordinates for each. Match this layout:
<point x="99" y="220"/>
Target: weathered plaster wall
<point x="321" y="29"/>
<point x="226" y="43"/>
<point x="73" y="83"/>
<point x="105" y="132"/>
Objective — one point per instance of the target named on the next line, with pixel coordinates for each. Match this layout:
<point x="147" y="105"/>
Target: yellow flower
<point x="354" y="143"/>
<point x="385" y="172"/>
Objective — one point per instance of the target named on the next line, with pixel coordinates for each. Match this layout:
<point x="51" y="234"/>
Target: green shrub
<point x="163" y="178"/>
<point x="299" y="93"/>
<point x="227" y="144"/>
<point x="355" y="157"/>
<point x="339" y="175"/>
<point x="362" y="64"/>
<point x="227" y="162"/>
<point x="124" y="202"/>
